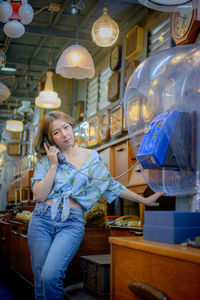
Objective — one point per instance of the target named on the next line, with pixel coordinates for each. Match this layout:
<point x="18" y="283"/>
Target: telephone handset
<point x="62" y="160"/>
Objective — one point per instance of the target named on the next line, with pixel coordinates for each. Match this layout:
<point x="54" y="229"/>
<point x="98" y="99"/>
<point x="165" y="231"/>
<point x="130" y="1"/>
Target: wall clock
<point x="94" y="128"/>
<point x="77" y="136"/>
<point x="115" y="58"/>
<point x="105" y="125"/>
<point x="113" y="86"/>
<point x="116" y="121"/>
<point x="133" y="111"/>
<point x="134" y="42"/>
<point x="185" y="26"/>
<point x="130" y="67"/>
<point x="83" y="134"/>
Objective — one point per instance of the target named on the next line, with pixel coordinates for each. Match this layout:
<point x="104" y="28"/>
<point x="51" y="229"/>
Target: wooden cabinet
<point x="19" y="256"/>
<point x="4" y="238"/>
<point x="174" y="270"/>
<point x="107" y="158"/>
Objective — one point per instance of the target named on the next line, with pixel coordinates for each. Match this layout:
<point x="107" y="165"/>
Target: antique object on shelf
<point x="131" y="66"/>
<point x="98" y="267"/>
<point x="133" y="111"/>
<point x="134" y="42"/>
<point x="79" y="111"/>
<point x="94" y="131"/>
<point x="14" y="149"/>
<point x="116" y="121"/>
<point x="105" y="125"/>
<point x="185" y="25"/>
<point x="113" y="86"/>
<point x="83" y="134"/>
<point x="12" y="136"/>
<point x="77" y="135"/>
<point x="115" y="58"/>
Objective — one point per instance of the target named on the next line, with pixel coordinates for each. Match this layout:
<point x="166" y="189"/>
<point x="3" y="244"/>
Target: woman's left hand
<point x="152" y="200"/>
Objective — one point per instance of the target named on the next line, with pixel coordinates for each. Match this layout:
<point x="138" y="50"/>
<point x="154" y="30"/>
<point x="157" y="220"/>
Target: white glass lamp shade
<point x="14" y="29"/>
<point x="26" y="13"/>
<point x="2" y="147"/>
<point x="4" y="92"/>
<point x="48" y="98"/>
<point x="75" y="62"/>
<point x="5" y="11"/>
<point x="2" y="59"/>
<point x="105" y="30"/>
<point x="14" y="125"/>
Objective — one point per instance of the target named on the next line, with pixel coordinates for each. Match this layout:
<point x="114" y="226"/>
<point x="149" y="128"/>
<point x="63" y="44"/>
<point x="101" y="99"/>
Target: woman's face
<point x="62" y="134"/>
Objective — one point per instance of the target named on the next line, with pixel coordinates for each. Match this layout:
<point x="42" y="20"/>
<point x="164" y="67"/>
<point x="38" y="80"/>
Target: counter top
<point x="178" y="251"/>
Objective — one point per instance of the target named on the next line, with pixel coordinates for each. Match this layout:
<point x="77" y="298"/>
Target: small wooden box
<point x="14" y="149"/>
<point x="96" y="274"/>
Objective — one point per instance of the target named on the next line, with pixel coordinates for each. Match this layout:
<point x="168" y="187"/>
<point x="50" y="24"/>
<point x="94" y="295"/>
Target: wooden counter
<point x="172" y="269"/>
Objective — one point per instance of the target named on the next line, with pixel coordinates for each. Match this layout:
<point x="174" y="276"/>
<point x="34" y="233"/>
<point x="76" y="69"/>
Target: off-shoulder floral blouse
<point x="69" y="183"/>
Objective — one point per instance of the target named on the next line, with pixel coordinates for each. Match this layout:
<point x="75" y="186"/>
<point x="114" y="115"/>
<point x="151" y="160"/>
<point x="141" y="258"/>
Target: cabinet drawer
<point x="175" y="278"/>
<point x="107" y="158"/>
<point x="120" y="161"/>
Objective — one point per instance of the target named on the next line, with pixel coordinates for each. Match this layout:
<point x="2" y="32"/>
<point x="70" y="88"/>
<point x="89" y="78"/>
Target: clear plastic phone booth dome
<point x="162" y="112"/>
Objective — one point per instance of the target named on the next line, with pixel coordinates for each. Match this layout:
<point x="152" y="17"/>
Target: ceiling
<point x="46" y="37"/>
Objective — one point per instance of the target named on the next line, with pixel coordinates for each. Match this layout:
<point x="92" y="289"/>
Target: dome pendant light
<point x="105" y="30"/>
<point x="75" y="62"/>
<point x="48" y="98"/>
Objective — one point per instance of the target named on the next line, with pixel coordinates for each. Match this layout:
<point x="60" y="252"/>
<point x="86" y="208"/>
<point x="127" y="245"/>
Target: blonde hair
<point x="44" y="130"/>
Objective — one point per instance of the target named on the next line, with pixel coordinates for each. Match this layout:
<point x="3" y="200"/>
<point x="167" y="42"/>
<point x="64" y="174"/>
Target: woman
<point x="62" y="195"/>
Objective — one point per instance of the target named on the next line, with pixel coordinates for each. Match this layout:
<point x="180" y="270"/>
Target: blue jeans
<point x="53" y="243"/>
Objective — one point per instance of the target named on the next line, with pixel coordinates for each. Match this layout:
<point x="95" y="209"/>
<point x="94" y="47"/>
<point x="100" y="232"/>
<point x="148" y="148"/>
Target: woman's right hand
<point x="52" y="152"/>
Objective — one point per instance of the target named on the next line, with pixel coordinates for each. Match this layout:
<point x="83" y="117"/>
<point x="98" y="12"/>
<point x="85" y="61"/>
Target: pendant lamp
<point x="105" y="30"/>
<point x="48" y="98"/>
<point x="15" y="14"/>
<point x="14" y="125"/>
<point x="75" y="62"/>
<point x="4" y="92"/>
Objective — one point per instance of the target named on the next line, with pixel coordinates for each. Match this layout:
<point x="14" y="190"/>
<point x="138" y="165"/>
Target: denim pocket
<point x="40" y="209"/>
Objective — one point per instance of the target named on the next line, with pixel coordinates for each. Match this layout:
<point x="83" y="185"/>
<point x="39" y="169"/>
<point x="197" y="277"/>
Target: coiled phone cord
<point x="62" y="160"/>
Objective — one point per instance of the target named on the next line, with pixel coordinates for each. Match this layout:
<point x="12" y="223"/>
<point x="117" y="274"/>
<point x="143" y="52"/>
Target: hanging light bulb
<point x="75" y="62"/>
<point x="105" y="30"/>
<point x="2" y="147"/>
<point x="48" y="98"/>
<point x="14" y="125"/>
